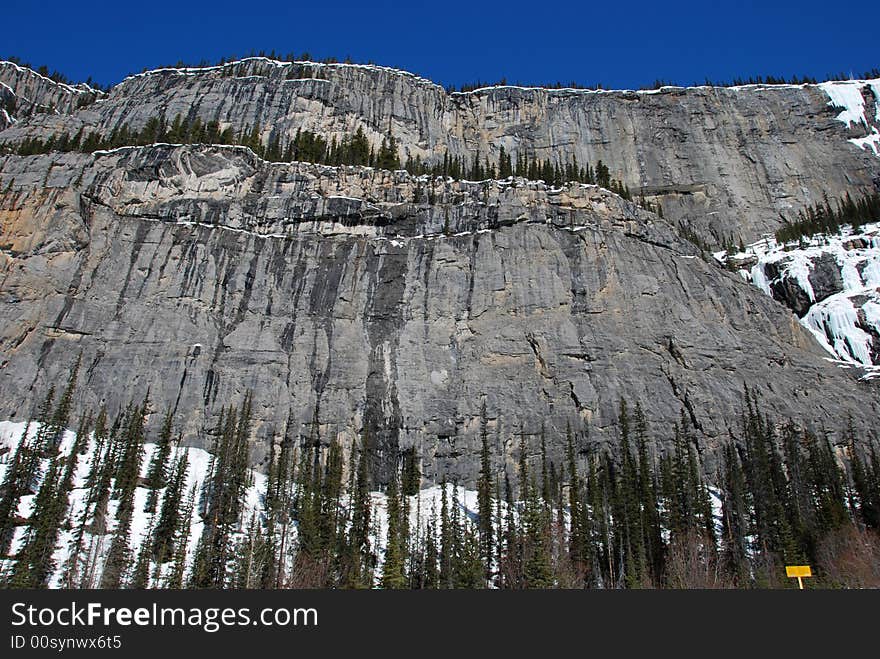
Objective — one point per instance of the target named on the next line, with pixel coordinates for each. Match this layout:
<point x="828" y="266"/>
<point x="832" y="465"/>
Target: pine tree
<point x="331" y="528"/>
<point x="393" y="576"/>
<point x="504" y="166"/>
<point x="470" y="569"/>
<point x="247" y="557"/>
<point x="735" y="519"/>
<point x="866" y="483"/>
<point x="630" y="519"/>
<point x="600" y="481"/>
<point x="647" y="493"/>
<point x="536" y="559"/>
<point x="388" y="158"/>
<point x="42" y="442"/>
<point x="119" y="555"/>
<point x="431" y="571"/>
<point x="827" y="484"/>
<point x="309" y="563"/>
<point x="157" y="472"/>
<point x="447" y="553"/>
<point x="140" y="576"/>
<point x="411" y="478"/>
<point x="61" y="416"/>
<point x="169" y="515"/>
<point x="359" y="561"/>
<point x="577" y="545"/>
<point x="181" y="542"/>
<point x="34" y="563"/>
<point x="510" y="561"/>
<point x="15" y="483"/>
<point x="224" y="499"/>
<point x="484" y="497"/>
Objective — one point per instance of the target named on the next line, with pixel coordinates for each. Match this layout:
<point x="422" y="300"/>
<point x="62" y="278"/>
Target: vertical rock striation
<point x="354" y="303"/>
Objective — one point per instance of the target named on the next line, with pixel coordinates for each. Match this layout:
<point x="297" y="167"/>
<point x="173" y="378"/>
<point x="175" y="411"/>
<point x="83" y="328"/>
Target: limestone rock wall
<point x="726" y="161"/>
<point x="356" y="302"/>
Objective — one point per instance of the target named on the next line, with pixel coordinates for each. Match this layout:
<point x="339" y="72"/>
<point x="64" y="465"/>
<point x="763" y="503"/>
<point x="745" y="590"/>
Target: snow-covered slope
<point x="199" y="462"/>
<point x="423" y="508"/>
<point x="832" y="282"/>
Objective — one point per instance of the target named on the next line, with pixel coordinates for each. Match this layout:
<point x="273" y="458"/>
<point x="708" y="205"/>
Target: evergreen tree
<point x="647" y="493"/>
<point x="157" y="473"/>
<point x="578" y="544"/>
<point x="447" y="552"/>
<point x="387" y="158"/>
<point x="866" y="483"/>
<point x="470" y="571"/>
<point x="393" y="568"/>
<point x="431" y="571"/>
<point x="359" y="561"/>
<point x="735" y="518"/>
<point x="484" y="497"/>
<point x="15" y="484"/>
<point x="181" y="542"/>
<point x="34" y="564"/>
<point x="224" y="500"/>
<point x="140" y="576"/>
<point x="61" y="416"/>
<point x="411" y="478"/>
<point x="504" y="165"/>
<point x="169" y="515"/>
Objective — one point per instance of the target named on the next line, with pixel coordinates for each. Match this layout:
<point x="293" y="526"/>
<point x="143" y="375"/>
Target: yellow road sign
<point x="798" y="571"/>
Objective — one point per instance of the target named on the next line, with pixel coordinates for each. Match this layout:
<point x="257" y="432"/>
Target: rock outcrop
<point x="725" y="161"/>
<point x="359" y="302"/>
<point x="832" y="283"/>
<point x="24" y="93"/>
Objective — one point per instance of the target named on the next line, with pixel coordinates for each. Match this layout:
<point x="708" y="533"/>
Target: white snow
<point x="758" y="277"/>
<point x="872" y="141"/>
<point x="834" y="321"/>
<point x="423" y="507"/>
<point x="199" y="468"/>
<point x="849" y="96"/>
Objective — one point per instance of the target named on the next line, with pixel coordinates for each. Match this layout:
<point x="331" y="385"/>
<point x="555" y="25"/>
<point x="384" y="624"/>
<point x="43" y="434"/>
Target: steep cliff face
<point x="355" y="300"/>
<point x="726" y="161"/>
<point x="24" y="92"/>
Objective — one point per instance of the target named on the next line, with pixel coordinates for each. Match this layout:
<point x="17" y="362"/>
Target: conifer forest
<point x="100" y="502"/>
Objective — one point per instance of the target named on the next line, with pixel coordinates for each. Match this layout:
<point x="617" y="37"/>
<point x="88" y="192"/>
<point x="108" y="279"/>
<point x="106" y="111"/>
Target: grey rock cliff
<point x="726" y="161"/>
<point x="355" y="302"/>
<point x="24" y="93"/>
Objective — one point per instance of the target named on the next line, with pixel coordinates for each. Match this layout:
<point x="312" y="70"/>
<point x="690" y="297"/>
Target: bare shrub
<point x="692" y="562"/>
<point x="849" y="557"/>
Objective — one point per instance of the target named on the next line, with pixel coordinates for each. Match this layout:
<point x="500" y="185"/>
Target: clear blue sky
<point x="619" y="44"/>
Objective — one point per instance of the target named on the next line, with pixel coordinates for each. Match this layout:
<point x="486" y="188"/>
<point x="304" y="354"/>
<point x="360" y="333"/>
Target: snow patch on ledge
<point x="872" y="141"/>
